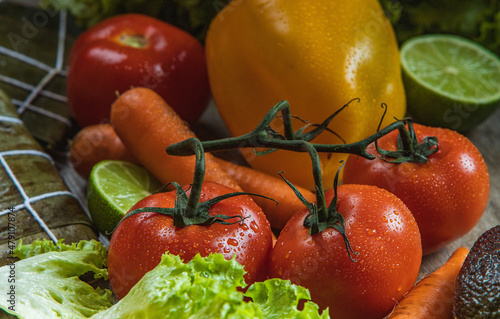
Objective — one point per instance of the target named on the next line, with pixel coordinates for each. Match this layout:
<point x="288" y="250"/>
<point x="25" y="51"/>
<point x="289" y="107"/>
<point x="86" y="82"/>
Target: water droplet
<point x="232" y="242"/>
<point x="254" y="226"/>
<point x="371" y="232"/>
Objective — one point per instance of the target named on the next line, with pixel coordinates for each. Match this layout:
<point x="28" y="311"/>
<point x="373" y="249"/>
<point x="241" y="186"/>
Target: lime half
<point x="450" y="81"/>
<point x="113" y="188"/>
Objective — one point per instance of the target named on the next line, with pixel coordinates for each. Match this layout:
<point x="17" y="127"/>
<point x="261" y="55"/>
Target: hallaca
<point x="35" y="202"/>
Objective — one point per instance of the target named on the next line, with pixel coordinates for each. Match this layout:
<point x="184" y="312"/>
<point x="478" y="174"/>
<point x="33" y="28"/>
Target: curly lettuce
<point x="477" y="20"/>
<point x="48" y="284"/>
<point x="207" y="287"/>
<point x="193" y="16"/>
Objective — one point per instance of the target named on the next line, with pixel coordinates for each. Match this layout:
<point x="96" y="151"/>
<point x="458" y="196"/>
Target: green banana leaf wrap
<point x="34" y="200"/>
<point x="32" y="70"/>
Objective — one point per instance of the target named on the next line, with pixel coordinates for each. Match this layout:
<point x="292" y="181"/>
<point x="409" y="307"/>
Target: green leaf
<point x="202" y="288"/>
<point x="45" y="283"/>
<point x="279" y="299"/>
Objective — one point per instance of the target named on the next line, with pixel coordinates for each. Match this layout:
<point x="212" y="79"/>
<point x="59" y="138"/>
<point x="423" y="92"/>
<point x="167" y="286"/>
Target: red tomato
<point x="384" y="233"/>
<point x="140" y="240"/>
<point x="134" y="50"/>
<point x="447" y="195"/>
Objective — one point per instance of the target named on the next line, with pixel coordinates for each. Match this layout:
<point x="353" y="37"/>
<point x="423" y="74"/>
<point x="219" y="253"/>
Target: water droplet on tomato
<point x="232" y="242"/>
<point x="254" y="226"/>
<point x="371" y="232"/>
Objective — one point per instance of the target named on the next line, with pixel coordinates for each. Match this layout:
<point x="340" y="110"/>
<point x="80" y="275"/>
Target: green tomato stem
<point x="263" y="136"/>
<point x="138" y="41"/>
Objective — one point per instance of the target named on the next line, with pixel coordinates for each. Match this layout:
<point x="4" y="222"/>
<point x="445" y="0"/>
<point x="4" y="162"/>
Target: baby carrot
<point x="95" y="143"/>
<point x="432" y="297"/>
<point x="257" y="182"/>
<point x="146" y="124"/>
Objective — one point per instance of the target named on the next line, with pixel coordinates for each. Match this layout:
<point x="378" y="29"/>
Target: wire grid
<point x="52" y="71"/>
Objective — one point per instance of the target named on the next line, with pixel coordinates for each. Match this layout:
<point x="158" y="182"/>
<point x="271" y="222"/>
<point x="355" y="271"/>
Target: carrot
<point x="95" y="143"/>
<point x="257" y="182"/>
<point x="146" y="124"/>
<point x="432" y="297"/>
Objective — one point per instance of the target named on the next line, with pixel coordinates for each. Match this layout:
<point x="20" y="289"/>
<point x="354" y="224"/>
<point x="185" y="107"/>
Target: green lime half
<point x="450" y="81"/>
<point x="113" y="188"/>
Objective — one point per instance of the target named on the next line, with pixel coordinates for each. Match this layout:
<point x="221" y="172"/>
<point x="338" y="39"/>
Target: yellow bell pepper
<point x="317" y="55"/>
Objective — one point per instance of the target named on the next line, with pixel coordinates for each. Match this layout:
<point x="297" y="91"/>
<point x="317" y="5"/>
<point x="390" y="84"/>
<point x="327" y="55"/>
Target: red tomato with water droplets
<point x="384" y="233"/>
<point x="447" y="195"/>
<point x="140" y="240"/>
<point x="135" y="50"/>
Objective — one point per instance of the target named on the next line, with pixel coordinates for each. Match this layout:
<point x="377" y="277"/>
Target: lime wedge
<point x="450" y="81"/>
<point x="113" y="188"/>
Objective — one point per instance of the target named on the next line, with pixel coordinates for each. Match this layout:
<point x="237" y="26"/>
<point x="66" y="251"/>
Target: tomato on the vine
<point x="447" y="195"/>
<point x="381" y="231"/>
<point x="134" y="50"/>
<point x="140" y="240"/>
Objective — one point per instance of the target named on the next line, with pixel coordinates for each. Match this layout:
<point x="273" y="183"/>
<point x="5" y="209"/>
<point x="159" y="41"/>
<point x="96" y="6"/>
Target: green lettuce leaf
<point x="193" y="16"/>
<point x="278" y="299"/>
<point x="208" y="288"/>
<point x="476" y="20"/>
<point x="45" y="283"/>
<point x="202" y="288"/>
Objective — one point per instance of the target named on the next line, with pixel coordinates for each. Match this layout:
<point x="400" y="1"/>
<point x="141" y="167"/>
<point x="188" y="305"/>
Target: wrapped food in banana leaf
<point x="32" y="69"/>
<point x="34" y="200"/>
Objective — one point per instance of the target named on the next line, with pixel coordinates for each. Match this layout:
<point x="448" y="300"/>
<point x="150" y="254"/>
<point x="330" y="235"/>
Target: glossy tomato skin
<point x="139" y="241"/>
<point x="447" y="195"/>
<point x="384" y="233"/>
<point x="163" y="58"/>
